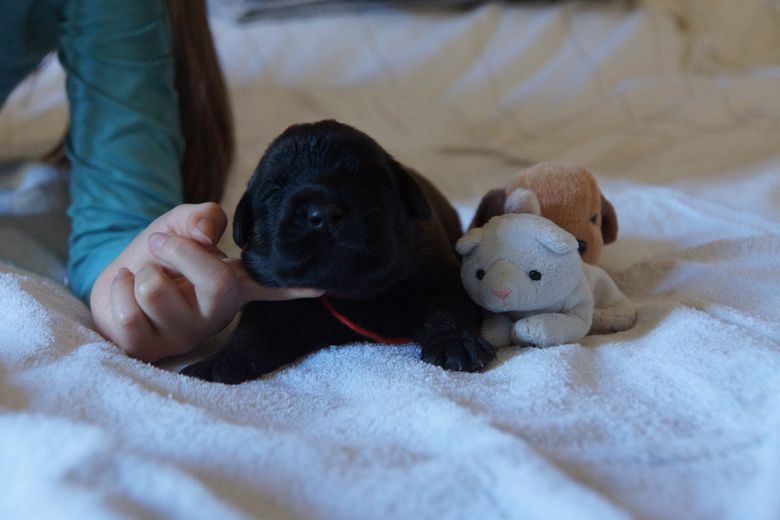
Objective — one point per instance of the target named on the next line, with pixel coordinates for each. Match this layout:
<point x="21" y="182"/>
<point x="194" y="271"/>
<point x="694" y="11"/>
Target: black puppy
<point x="329" y="208"/>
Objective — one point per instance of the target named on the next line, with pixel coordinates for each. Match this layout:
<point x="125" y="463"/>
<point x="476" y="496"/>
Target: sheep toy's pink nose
<point x="502" y="293"/>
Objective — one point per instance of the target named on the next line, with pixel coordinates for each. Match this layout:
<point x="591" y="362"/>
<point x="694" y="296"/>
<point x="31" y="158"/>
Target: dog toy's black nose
<point x="582" y="246"/>
<point x="324" y="216"/>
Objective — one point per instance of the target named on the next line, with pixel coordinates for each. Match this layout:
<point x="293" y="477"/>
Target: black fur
<point x="327" y="207"/>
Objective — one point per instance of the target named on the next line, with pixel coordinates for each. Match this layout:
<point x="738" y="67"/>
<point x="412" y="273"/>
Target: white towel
<point x="682" y="409"/>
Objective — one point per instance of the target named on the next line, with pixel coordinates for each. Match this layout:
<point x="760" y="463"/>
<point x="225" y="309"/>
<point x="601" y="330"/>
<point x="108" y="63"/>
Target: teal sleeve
<point x="124" y="142"/>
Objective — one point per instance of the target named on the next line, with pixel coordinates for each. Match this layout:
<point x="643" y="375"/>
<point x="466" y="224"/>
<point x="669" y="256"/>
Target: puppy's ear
<point x="469" y="241"/>
<point x="242" y="221"/>
<point x="491" y="205"/>
<point x="411" y="193"/>
<point x="609" y="223"/>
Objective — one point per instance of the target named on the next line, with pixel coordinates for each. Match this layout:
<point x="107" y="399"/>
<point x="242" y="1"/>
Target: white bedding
<point x="676" y="108"/>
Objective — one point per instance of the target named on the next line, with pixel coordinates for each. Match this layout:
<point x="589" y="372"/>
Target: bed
<point x="674" y="105"/>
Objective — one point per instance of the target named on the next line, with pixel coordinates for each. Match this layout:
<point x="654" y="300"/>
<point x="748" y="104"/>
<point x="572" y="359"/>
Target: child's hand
<point x="171" y="288"/>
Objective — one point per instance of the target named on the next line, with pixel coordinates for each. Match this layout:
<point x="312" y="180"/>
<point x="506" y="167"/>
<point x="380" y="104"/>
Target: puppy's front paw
<point x="217" y="371"/>
<point x="201" y="370"/>
<point x="458" y="350"/>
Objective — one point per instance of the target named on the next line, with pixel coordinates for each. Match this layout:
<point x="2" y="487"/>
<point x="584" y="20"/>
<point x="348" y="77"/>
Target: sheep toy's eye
<point x="594" y="219"/>
<point x="535" y="275"/>
<point x="480" y="274"/>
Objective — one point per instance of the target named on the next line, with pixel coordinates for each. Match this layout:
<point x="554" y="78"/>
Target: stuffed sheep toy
<point x="527" y="272"/>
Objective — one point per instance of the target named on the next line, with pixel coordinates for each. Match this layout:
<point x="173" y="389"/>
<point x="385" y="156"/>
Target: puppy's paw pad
<point x="201" y="370"/>
<point x="481" y="352"/>
<point x="461" y="352"/>
<point x="210" y="370"/>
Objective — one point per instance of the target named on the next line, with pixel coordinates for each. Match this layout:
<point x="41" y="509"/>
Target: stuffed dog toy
<point x="328" y="208"/>
<point x="569" y="196"/>
<point x="527" y="272"/>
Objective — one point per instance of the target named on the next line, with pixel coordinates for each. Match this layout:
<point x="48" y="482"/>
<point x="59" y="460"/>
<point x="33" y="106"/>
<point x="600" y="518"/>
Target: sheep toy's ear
<point x="557" y="240"/>
<point x="522" y="201"/>
<point x="469" y="241"/>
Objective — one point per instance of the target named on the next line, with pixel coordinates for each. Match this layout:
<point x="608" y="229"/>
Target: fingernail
<point x="308" y="293"/>
<point x="204" y="229"/>
<point x="157" y="240"/>
<point x="123" y="272"/>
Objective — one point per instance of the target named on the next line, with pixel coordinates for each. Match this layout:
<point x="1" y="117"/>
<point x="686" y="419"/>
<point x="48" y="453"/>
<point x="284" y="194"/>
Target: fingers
<point x="131" y="325"/>
<point x="216" y="286"/>
<point x="205" y="223"/>
<point x="151" y="317"/>
<point x="220" y="286"/>
<point x="163" y="303"/>
<point x="202" y="223"/>
<point x="208" y="222"/>
<point x="146" y="313"/>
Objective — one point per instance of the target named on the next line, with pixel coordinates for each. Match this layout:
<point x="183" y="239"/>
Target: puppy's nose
<point x="321" y="216"/>
<point x="501" y="293"/>
<point x="315" y="208"/>
<point x="582" y="246"/>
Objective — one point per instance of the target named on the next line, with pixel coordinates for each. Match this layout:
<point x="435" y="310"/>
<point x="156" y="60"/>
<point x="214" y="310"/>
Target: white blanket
<point x="677" y="417"/>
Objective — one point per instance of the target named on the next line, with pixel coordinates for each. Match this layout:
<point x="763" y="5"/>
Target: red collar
<point x="360" y="330"/>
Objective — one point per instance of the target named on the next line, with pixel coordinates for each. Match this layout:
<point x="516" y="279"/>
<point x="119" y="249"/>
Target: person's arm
<point x="155" y="283"/>
<point x="124" y="142"/>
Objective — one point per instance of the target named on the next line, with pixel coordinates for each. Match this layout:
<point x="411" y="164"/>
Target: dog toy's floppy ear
<point x="242" y="221"/>
<point x="411" y="193"/>
<point x="469" y="241"/>
<point x="609" y="223"/>
<point x="522" y="201"/>
<point x="491" y="205"/>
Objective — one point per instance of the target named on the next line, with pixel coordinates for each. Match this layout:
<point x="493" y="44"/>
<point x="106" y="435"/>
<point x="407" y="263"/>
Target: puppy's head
<point x="327" y="207"/>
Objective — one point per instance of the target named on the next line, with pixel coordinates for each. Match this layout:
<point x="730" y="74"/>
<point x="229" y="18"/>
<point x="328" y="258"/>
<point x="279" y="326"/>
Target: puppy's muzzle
<point x="315" y="209"/>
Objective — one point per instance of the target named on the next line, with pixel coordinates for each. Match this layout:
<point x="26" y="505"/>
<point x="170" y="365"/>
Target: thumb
<point x="258" y="292"/>
<point x="253" y="291"/>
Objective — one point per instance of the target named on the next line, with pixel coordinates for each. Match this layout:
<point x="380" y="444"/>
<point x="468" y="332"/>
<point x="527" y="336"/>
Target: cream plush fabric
<point x="527" y="273"/>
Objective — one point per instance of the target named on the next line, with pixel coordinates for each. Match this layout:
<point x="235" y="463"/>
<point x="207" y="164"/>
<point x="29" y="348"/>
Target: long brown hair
<point x="204" y="108"/>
